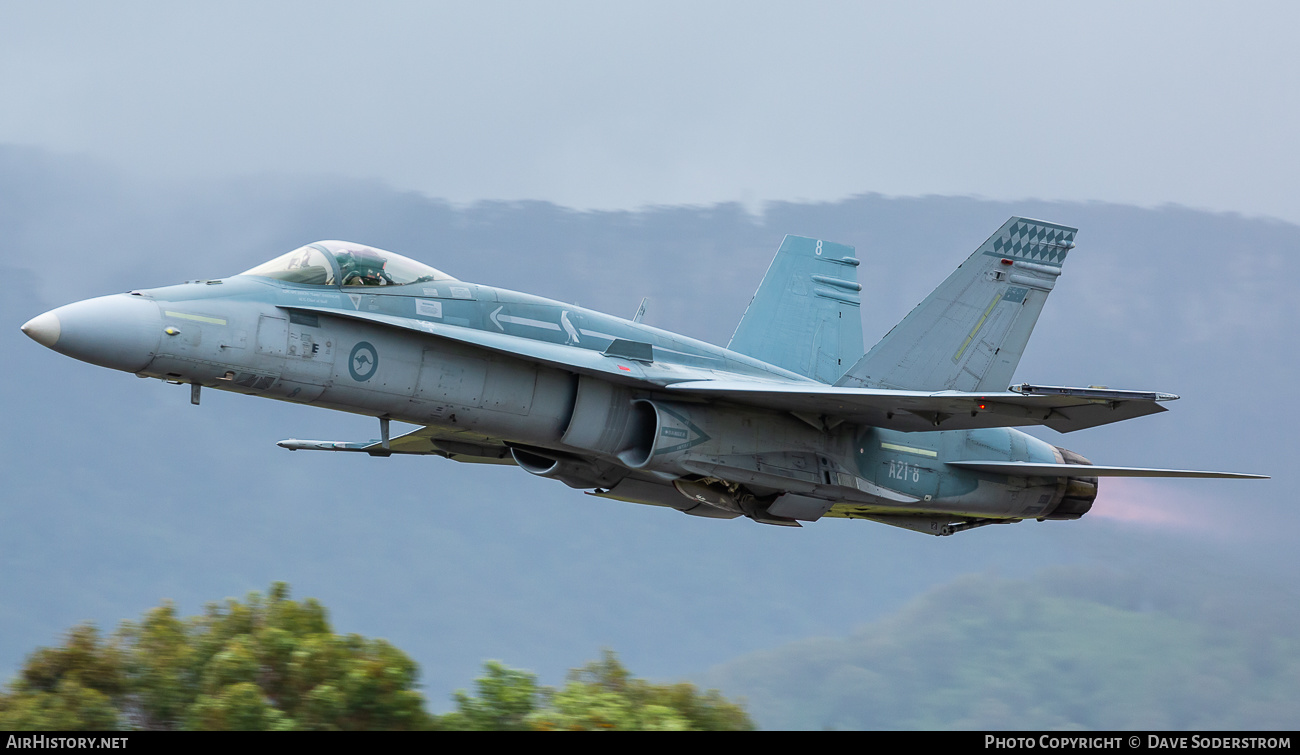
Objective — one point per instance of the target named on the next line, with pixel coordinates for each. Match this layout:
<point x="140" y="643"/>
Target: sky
<point x="598" y="105"/>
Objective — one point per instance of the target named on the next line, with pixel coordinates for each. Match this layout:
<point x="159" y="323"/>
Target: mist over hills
<point x="119" y="493"/>
<point x="1069" y="648"/>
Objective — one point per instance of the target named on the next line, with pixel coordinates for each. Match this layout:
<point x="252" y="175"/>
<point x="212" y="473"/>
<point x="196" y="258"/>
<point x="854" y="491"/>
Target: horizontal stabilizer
<point x="1030" y="469"/>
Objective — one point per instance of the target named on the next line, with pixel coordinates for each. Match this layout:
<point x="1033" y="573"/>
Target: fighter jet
<point x="793" y="421"/>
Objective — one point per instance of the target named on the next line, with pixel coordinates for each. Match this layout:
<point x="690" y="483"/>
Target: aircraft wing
<point x="1062" y="409"/>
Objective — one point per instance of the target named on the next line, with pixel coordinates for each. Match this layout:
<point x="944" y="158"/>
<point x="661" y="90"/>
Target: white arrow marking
<point x="498" y="318"/>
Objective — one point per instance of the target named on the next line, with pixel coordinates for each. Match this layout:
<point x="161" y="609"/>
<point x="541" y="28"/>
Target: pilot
<point x="365" y="277"/>
<point x="362" y="270"/>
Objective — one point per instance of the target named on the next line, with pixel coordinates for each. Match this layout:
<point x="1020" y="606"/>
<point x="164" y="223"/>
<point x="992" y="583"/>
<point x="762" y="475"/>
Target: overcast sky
<point x="622" y="104"/>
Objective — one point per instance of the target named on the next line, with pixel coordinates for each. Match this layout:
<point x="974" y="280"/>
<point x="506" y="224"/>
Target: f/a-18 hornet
<point x="790" y="423"/>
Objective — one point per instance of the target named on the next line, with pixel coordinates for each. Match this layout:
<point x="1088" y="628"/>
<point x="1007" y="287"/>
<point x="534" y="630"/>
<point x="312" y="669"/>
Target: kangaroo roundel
<point x="363" y="362"/>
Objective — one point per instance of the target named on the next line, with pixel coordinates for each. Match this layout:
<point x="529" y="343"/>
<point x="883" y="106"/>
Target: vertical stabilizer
<point x="969" y="333"/>
<point x="805" y="316"/>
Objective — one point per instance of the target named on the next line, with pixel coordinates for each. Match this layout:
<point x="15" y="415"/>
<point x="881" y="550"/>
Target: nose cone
<point x="120" y="331"/>
<point x="43" y="329"/>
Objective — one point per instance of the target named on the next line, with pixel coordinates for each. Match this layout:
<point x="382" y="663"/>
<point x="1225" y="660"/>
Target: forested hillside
<point x="1068" y="649"/>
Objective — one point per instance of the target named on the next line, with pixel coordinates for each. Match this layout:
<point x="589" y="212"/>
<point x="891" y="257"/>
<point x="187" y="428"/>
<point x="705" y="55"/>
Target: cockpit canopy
<point x="342" y="263"/>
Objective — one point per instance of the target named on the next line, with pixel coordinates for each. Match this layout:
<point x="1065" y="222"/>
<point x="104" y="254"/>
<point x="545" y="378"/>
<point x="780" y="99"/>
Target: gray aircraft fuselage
<point x="496" y="376"/>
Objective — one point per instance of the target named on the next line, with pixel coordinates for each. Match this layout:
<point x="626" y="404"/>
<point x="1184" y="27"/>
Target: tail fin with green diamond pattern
<point x="969" y="333"/>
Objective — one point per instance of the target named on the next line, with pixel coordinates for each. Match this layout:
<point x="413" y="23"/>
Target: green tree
<point x="76" y="687"/>
<point x="602" y="695"/>
<point x="266" y="663"/>
<point x="506" y="699"/>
